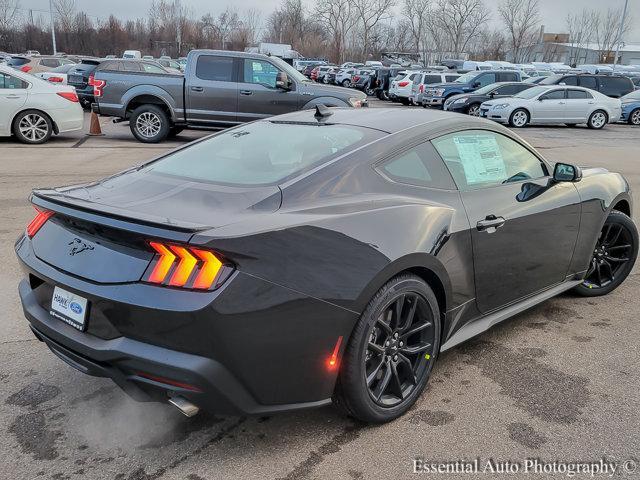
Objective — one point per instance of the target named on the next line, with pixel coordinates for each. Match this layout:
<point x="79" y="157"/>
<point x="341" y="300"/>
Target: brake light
<point x="55" y="79"/>
<point x="97" y="85"/>
<point x="356" y="78"/>
<point x="38" y="221"/>
<point x="71" y="96"/>
<point x="403" y="84"/>
<point x="26" y="69"/>
<point x="187" y="267"/>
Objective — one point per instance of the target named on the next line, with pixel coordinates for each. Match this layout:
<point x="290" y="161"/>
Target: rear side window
<point x="431" y="79"/>
<point x="572" y="81"/>
<point x="418" y="166"/>
<point x="578" y="95"/>
<point x="11" y="83"/>
<point x="255" y="154"/>
<point x="508" y="90"/>
<point x="211" y="67"/>
<point x="50" y="62"/>
<point x="615" y="86"/>
<point x="507" y="77"/>
<point x="451" y="78"/>
<point x="589" y="82"/>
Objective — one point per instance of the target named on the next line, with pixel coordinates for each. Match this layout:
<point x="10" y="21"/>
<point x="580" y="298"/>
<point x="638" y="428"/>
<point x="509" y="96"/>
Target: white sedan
<point x="33" y="109"/>
<point x="551" y="104"/>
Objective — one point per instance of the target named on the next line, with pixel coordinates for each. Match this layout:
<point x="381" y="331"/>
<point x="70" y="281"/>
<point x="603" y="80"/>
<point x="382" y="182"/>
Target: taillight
<point x="26" y="69"/>
<point x="71" y="96"/>
<point x="38" y="221"/>
<point x="187" y="267"/>
<point x="97" y="85"/>
<point x="55" y="79"/>
<point x="403" y="84"/>
<point x="421" y="88"/>
<point x="356" y="78"/>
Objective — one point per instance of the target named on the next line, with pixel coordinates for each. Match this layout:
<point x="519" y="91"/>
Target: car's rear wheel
<point x="383" y="95"/>
<point x="474" y="110"/>
<point x="597" y="120"/>
<point x="33" y="127"/>
<point x="389" y="357"/>
<point x="519" y="118"/>
<point x="634" y="117"/>
<point x="613" y="257"/>
<point x="346" y="83"/>
<point x="149" y="124"/>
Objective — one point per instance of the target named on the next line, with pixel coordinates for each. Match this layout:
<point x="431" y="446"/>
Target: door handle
<point x="197" y="89"/>
<point x="12" y="97"/>
<point x="246" y="92"/>
<point x="490" y="224"/>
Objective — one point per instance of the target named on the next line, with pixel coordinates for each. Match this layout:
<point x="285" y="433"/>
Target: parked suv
<point x="400" y="88"/>
<point x="436" y="95"/>
<point x="218" y="89"/>
<point x="615" y="86"/>
<point x="343" y="76"/>
<point x="426" y="79"/>
<point x="36" y="64"/>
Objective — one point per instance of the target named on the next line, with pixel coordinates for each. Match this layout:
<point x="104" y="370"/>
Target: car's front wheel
<point x="346" y="83"/>
<point x="149" y="124"/>
<point x="613" y="257"/>
<point x="390" y="354"/>
<point x="519" y="118"/>
<point x="634" y="117"/>
<point x="33" y="127"/>
<point x="474" y="110"/>
<point x="597" y="120"/>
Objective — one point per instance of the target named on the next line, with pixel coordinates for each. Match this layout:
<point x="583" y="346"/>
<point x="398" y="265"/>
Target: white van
<point x="132" y="54"/>
<point x="373" y="63"/>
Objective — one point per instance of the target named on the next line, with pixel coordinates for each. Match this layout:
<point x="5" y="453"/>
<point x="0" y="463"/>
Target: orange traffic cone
<point x="94" y="127"/>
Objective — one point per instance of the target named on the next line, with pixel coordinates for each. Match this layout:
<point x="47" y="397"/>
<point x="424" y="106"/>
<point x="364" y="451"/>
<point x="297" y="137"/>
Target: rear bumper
<point x="432" y="101"/>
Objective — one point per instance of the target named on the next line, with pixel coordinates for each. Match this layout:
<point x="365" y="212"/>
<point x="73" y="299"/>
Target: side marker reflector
<point x="332" y="362"/>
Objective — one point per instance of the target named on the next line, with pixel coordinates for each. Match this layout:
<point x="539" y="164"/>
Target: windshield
<point x="467" y="77"/>
<point x="291" y="72"/>
<point x="632" y="96"/>
<point x="254" y="154"/>
<point x="531" y="92"/>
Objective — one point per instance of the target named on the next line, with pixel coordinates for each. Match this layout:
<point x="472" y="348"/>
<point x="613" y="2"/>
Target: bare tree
<point x="9" y="15"/>
<point x="456" y="23"/>
<point x="606" y="32"/>
<point x="581" y="28"/>
<point x="339" y="17"/>
<point x="369" y="14"/>
<point x="521" y="18"/>
<point x="417" y="13"/>
<point x="65" y="14"/>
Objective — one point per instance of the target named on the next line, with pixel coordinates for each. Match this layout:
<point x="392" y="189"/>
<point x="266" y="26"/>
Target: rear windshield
<point x="262" y="153"/>
<point x="17" y="61"/>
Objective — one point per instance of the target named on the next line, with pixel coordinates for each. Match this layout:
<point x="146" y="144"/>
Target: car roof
<point x="389" y="120"/>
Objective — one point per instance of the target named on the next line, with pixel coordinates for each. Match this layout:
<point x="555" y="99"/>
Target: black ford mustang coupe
<point x="314" y="257"/>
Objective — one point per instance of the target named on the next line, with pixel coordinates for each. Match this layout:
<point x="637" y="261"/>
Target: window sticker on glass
<point x="481" y="158"/>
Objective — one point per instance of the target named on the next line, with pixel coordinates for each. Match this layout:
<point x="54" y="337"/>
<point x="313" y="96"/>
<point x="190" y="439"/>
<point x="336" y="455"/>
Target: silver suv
<point x="428" y="78"/>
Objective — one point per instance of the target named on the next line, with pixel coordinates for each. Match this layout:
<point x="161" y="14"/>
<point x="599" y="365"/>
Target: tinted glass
<point x="260" y="72"/>
<point x="430" y="79"/>
<point x="573" y="81"/>
<point x="150" y="68"/>
<point x="615" y="86"/>
<point x="478" y="158"/>
<point x="508" y="77"/>
<point x="486" y="79"/>
<point x="17" y="61"/>
<point x="49" y="62"/>
<point x="10" y="82"/>
<point x="589" y="82"/>
<point x="554" y="95"/>
<point x="210" y="67"/>
<point x="508" y="90"/>
<point x="578" y="95"/>
<point x="451" y="78"/>
<point x="130" y="66"/>
<point x="418" y="166"/>
<point x="256" y="154"/>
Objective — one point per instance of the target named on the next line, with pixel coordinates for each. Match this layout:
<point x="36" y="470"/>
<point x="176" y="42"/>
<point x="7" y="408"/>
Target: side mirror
<point x="475" y="84"/>
<point x="282" y="81"/>
<point x="492" y="94"/>
<point x="563" y="172"/>
<point x="540" y="99"/>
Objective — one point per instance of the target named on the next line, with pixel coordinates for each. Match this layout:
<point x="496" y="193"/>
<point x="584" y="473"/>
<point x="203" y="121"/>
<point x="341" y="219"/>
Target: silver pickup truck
<point x="218" y="89"/>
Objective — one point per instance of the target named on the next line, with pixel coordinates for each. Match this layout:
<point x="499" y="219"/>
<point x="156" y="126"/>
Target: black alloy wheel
<point x="391" y="352"/>
<point x="613" y="257"/>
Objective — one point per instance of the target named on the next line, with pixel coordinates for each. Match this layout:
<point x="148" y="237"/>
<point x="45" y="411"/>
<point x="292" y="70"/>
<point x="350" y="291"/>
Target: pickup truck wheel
<point x="149" y="124"/>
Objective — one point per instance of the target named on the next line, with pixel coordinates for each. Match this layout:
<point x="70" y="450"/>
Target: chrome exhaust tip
<point x="185" y="406"/>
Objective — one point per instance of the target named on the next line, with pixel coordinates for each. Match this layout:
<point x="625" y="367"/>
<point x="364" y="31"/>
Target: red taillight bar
<point x="97" y="85"/>
<point x="403" y="84"/>
<point x="55" y="79"/>
<point x="26" y="69"/>
<point x="38" y="221"/>
<point x="185" y="266"/>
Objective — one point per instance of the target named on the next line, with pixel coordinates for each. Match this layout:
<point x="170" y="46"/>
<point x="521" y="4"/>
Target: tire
<point x="369" y="92"/>
<point x="346" y="83"/>
<point x="32" y="127"/>
<point x="598" y="120"/>
<point x="618" y="240"/>
<point x="379" y="349"/>
<point x="404" y="100"/>
<point x="149" y="124"/>
<point x="474" y="110"/>
<point x="634" y="117"/>
<point x="519" y="118"/>
<point x="383" y="95"/>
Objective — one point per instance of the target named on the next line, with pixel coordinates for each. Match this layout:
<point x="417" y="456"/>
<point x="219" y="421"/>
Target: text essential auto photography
<point x="308" y="239"/>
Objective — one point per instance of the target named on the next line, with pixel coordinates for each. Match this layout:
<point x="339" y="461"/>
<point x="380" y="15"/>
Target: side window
<point x="572" y="81"/>
<point x="10" y="82"/>
<point x="211" y="67"/>
<point x="578" y="95"/>
<point x="450" y="78"/>
<point x="507" y="77"/>
<point x="508" y="90"/>
<point x="521" y="87"/>
<point x="589" y="82"/>
<point x="418" y="166"/>
<point x="479" y="158"/>
<point x="486" y="79"/>
<point x="615" y="86"/>
<point x="50" y="62"/>
<point x="150" y="68"/>
<point x="130" y="66"/>
<point x="417" y="79"/>
<point x="430" y="79"/>
<point x="260" y="72"/>
<point x="553" y="95"/>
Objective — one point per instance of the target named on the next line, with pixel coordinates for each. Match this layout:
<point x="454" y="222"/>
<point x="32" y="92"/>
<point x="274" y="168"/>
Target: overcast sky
<point x="553" y="12"/>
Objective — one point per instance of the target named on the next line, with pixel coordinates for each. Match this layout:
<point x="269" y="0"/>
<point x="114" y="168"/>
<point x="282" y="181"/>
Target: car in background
<point x="301" y="65"/>
<point x="147" y="57"/>
<point x="400" y="88"/>
<point x="469" y="103"/>
<point x="473" y="65"/>
<point x="36" y="64"/>
<point x="330" y="76"/>
<point x="362" y="80"/>
<point x="425" y="79"/>
<point x="171" y="65"/>
<point x="132" y="54"/>
<point x="319" y="72"/>
<point x="381" y="80"/>
<point x="33" y="109"/>
<point x="614" y="86"/>
<point x="309" y="68"/>
<point x="110" y="56"/>
<point x="343" y="76"/>
<point x="80" y="77"/>
<point x="452" y="64"/>
<point x="183" y="62"/>
<point x="631" y="108"/>
<point x="546" y="104"/>
<point x="533" y="80"/>
<point x="436" y="95"/>
<point x="58" y="74"/>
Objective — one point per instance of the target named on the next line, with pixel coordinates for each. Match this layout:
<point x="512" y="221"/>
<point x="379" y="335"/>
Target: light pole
<point x="53" y="27"/>
<point x="620" y="31"/>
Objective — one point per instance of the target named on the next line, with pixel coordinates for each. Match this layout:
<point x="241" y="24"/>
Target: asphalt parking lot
<point x="559" y="382"/>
